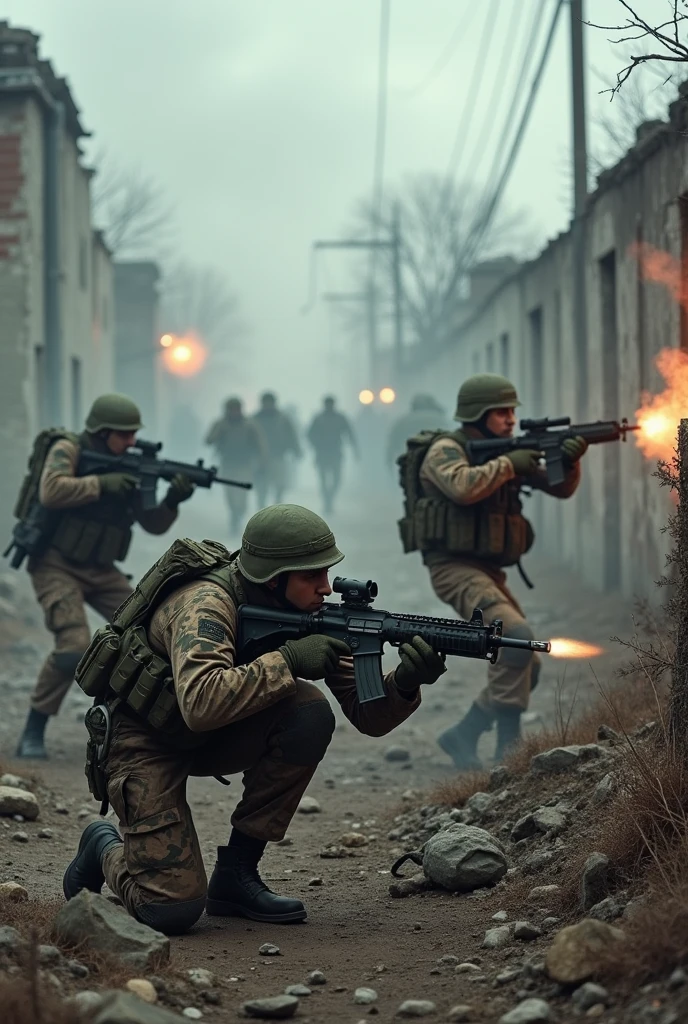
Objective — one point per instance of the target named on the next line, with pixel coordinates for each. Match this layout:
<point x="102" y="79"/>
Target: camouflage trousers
<point x="62" y="588"/>
<point x="160" y="865"/>
<point x="465" y="587"/>
<point x="271" y="482"/>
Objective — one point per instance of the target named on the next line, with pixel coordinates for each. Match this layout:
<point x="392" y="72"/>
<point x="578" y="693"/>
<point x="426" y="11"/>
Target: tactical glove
<point x="574" y="448"/>
<point x="117" y="483"/>
<point x="180" y="490"/>
<point x="313" y="657"/>
<point x="525" y="461"/>
<point x="419" y="665"/>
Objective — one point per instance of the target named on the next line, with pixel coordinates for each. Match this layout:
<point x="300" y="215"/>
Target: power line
<point x="516" y="145"/>
<point x="446" y="54"/>
<point x="469" y="104"/>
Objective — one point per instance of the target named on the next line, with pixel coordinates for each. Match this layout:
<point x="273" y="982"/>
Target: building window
<point x="76" y="393"/>
<point x="83" y="264"/>
<point x="504" y="354"/>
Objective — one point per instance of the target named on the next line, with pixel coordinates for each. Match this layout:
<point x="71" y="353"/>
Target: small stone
<point x="272" y="1008"/>
<point x="13" y="892"/>
<point x="530" y="1011"/>
<point x="402" y="887"/>
<point x="508" y="975"/>
<point x="192" y="1012"/>
<point x="45" y="833"/>
<point x="62" y="809"/>
<point x="315" y="881"/>
<point x="549" y="923"/>
<point x="495" y="938"/>
<point x="84" y="813"/>
<point x="467" y="968"/>
<point x="353" y="839"/>
<point x="599" y="1009"/>
<point x="200" y="977"/>
<point x="537" y="861"/>
<point x="543" y="893"/>
<point x="526" y="932"/>
<point x="316" y="978"/>
<point x="594" y="880"/>
<point x="78" y="969"/>
<point x="335" y="853"/>
<point x="14" y="781"/>
<point x="48" y="955"/>
<point x="608" y="909"/>
<point x="142" y="988"/>
<point x="297" y="990"/>
<point x="20" y="837"/>
<point x="563" y="759"/>
<point x="575" y="950"/>
<point x="397" y="754"/>
<point x="589" y="995"/>
<point x="308" y="805"/>
<point x="501" y="915"/>
<point x="459" y="1013"/>
<point x="447" y="959"/>
<point x="416" y="1008"/>
<point x="604" y="790"/>
<point x="10" y="939"/>
<point x="14" y="800"/>
<point x="365" y="996"/>
<point x="269" y="949"/>
<point x="88" y="1000"/>
<point x="677" y="978"/>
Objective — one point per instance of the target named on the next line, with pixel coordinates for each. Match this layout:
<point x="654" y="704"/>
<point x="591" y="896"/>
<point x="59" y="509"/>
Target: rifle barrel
<point x="232" y="483"/>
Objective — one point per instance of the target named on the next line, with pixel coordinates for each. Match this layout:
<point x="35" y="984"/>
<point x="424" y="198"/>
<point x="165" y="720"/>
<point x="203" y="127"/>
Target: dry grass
<point x="25" y="999"/>
<point x="455" y="792"/>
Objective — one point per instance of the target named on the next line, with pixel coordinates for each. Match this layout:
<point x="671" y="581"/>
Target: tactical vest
<point x="98" y="533"/>
<point x="120" y="667"/>
<point x="494" y="530"/>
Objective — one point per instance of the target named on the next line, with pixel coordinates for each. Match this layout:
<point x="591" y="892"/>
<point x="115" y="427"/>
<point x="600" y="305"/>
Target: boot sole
<point x="221" y="908"/>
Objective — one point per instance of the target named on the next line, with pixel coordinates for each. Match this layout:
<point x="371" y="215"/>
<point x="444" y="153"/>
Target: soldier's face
<point x="307" y="590"/>
<point x="119" y="440"/>
<point x="501" y="422"/>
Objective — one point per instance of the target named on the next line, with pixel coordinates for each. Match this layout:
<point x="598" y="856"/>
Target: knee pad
<point x="171" y="918"/>
<point x="67" y="661"/>
<point x="306" y="732"/>
<point x="513" y="657"/>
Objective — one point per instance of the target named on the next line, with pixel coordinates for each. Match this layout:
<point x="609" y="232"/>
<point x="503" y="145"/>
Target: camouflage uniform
<point x="327" y="433"/>
<point x="467" y="583"/>
<point x="62" y="586"/>
<point x="281" y="441"/>
<point x="255" y="718"/>
<point x="242" y="451"/>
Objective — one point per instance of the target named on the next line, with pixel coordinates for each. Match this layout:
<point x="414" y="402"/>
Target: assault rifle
<point x="142" y="461"/>
<point x="542" y="436"/>
<point x="31" y="535"/>
<point x="366" y="630"/>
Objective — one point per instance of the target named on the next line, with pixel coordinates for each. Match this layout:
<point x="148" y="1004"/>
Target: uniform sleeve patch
<point x="210" y="629"/>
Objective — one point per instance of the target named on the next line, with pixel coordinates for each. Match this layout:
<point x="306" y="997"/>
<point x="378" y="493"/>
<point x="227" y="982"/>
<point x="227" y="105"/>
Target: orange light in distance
<point x="185" y="356"/>
<point x="387" y="396"/>
<point x="166" y="340"/>
<point x="366" y="397"/>
<point x="562" y="647"/>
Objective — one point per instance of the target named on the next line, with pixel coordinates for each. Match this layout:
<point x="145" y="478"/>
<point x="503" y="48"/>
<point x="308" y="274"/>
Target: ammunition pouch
<point x="96" y="664"/>
<point x="90" y="542"/>
<point x="98" y="721"/>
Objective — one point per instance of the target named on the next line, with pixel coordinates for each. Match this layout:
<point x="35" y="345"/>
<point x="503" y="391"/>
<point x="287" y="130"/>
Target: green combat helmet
<point x="113" y="412"/>
<point x="286" y="538"/>
<point x="483" y="392"/>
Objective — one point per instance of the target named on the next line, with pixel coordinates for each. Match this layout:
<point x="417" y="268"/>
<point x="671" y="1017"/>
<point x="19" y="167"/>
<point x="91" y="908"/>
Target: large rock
<point x="594" y="880"/>
<point x="564" y="759"/>
<point x="126" y="1008"/>
<point x="91" y="919"/>
<point x="272" y="1008"/>
<point x="462" y="858"/>
<point x="574" y="955"/>
<point x="18" y="801"/>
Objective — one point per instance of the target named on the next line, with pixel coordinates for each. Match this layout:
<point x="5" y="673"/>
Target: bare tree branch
<point x="128" y="205"/>
<point x="668" y="34"/>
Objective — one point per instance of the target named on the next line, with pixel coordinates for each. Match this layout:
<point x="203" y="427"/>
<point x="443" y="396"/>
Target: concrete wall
<point x="85" y="271"/>
<point x="137" y="348"/>
<point x="610" y="532"/>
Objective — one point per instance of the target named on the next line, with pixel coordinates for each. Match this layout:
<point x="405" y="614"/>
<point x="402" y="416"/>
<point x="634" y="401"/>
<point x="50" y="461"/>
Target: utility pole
<point x="580" y="194"/>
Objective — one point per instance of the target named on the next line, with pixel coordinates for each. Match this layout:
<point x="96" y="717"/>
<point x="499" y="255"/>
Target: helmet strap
<point x="280" y="591"/>
<point x="481" y="425"/>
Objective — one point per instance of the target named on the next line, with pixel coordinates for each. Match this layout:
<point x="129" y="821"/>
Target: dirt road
<point x="356" y="933"/>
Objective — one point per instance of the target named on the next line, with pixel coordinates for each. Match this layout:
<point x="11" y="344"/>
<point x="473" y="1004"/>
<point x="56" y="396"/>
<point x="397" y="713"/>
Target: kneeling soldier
<point x="214" y="717"/>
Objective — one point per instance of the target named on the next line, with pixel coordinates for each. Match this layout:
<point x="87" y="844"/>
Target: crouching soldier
<point x="180" y="705"/>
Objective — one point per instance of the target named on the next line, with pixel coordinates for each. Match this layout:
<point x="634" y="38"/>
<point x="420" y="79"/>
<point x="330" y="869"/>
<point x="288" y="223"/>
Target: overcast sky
<point x="257" y="117"/>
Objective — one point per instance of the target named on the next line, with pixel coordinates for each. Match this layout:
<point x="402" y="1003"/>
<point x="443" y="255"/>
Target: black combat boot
<point x="508" y="731"/>
<point x="86" y="871"/>
<point x="31" y="744"/>
<point x="236" y="888"/>
<point x="461" y="741"/>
